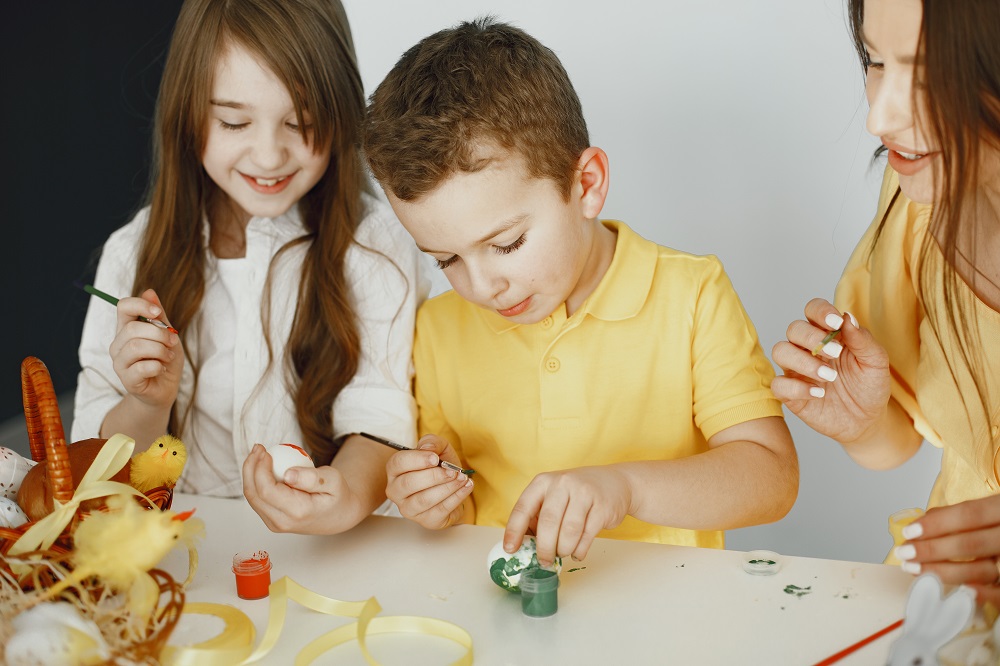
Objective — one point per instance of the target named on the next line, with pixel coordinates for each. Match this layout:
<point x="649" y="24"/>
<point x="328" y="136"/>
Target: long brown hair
<point x="308" y="46"/>
<point x="959" y="50"/>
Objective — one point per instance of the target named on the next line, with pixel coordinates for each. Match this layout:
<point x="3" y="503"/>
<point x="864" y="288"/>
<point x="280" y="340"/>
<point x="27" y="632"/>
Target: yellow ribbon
<point x="110" y="459"/>
<point x="234" y="644"/>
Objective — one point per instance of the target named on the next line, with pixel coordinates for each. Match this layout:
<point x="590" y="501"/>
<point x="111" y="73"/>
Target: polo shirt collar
<point x="624" y="288"/>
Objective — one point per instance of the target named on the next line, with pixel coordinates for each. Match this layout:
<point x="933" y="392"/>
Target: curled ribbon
<point x="111" y="458"/>
<point x="234" y="644"/>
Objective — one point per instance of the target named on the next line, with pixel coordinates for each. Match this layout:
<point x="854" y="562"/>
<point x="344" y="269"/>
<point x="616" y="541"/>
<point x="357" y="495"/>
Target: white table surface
<point x="628" y="603"/>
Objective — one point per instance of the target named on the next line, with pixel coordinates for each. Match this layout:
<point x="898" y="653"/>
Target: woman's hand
<point x="147" y="359"/>
<point x="842" y="392"/>
<point x="567" y="509"/>
<point x="424" y="492"/>
<point x="960" y="543"/>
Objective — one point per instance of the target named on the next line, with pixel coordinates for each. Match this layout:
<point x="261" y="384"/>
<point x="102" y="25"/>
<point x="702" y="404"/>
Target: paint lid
<point x="761" y="562"/>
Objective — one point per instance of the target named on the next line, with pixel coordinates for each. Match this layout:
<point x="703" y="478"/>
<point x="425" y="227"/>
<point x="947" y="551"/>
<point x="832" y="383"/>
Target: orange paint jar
<point x="253" y="574"/>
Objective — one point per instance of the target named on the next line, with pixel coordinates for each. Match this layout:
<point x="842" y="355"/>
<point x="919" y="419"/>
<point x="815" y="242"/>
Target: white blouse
<point x="240" y="400"/>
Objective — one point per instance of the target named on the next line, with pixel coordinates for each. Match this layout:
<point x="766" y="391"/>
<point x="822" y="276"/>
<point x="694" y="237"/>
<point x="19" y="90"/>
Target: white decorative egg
<point x="506" y="568"/>
<point x="11" y="514"/>
<point x="13" y="467"/>
<point x="285" y="456"/>
<point x="55" y="633"/>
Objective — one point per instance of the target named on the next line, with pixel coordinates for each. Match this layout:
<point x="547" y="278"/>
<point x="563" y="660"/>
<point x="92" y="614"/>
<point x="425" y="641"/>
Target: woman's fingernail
<point x="912" y="531"/>
<point x="833" y="349"/>
<point x="817" y="392"/>
<point x="910" y="567"/>
<point x="425" y="443"/>
<point x="827" y="373"/>
<point x="834" y="321"/>
<point x="155" y="311"/>
<point x="468" y="484"/>
<point x="291" y="477"/>
<point x="905" y="552"/>
<point x="853" y="320"/>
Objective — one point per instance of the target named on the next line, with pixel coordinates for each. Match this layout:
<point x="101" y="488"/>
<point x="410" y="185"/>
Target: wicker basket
<point x="47" y="442"/>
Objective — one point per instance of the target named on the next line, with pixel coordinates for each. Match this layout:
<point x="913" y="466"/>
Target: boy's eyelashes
<point x="500" y="249"/>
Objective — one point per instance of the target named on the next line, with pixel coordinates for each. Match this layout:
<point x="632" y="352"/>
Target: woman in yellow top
<point x="923" y="284"/>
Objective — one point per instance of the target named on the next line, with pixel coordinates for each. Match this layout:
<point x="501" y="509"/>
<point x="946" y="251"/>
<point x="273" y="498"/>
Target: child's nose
<point x="268" y="151"/>
<point x="486" y="285"/>
<point x="890" y="104"/>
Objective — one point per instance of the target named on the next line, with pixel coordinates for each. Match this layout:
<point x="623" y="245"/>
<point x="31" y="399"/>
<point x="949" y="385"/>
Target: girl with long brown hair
<point x="918" y="357"/>
<point x="292" y="288"/>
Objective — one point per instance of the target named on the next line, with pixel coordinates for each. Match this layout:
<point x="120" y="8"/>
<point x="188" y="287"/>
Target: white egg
<point x="11" y="514"/>
<point x="13" y="467"/>
<point x="284" y="456"/>
<point x="55" y="633"/>
<point x="506" y="568"/>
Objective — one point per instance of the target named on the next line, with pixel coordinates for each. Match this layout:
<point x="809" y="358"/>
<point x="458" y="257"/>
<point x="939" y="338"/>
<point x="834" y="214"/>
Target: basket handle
<point x="46" y="436"/>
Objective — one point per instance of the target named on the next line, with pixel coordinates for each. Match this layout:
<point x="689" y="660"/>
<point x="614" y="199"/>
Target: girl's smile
<point x="906" y="161"/>
<point x="517" y="309"/>
<point x="268" y="185"/>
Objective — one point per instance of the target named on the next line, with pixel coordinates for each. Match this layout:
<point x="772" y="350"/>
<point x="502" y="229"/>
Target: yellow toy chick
<point x="123" y="544"/>
<point x="159" y="465"/>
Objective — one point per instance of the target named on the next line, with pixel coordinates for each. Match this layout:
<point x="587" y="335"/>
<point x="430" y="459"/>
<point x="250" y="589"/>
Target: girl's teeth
<point x="268" y="182"/>
<point x="909" y="156"/>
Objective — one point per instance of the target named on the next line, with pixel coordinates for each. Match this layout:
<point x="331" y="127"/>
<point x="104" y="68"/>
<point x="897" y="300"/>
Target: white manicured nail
<point x="910" y="567"/>
<point x="834" y="321"/>
<point x="827" y="373"/>
<point x="817" y="392"/>
<point x="833" y="349"/>
<point x="912" y="531"/>
<point x="853" y="320"/>
<point x="905" y="552"/>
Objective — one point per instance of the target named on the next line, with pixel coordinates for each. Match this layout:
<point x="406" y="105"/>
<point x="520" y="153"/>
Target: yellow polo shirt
<point x="881" y="291"/>
<point x="657" y="360"/>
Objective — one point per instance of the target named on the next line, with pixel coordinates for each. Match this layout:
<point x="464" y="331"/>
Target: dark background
<point x="79" y="84"/>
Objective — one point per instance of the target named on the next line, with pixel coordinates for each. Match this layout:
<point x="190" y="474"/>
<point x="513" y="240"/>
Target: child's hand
<point x="147" y="359"/>
<point x="960" y="543"/>
<point x="568" y="509"/>
<point x="309" y="501"/>
<point x="842" y="392"/>
<point x="425" y="493"/>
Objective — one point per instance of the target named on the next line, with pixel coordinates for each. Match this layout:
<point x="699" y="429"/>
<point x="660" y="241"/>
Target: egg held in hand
<point x="286" y="456"/>
<point x="506" y="568"/>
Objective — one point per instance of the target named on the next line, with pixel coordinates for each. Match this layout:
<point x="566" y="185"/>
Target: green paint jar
<point x="539" y="592"/>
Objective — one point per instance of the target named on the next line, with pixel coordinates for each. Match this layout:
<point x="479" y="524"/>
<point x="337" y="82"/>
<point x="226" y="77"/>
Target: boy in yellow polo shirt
<point x="599" y="384"/>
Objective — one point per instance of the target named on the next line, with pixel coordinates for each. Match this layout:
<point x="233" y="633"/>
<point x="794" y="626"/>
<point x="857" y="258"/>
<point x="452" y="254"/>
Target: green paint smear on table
<point x="798" y="591"/>
<point x="575" y="569"/>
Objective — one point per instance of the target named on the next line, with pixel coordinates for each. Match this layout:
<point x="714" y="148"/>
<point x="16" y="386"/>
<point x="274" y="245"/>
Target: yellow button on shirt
<point x="657" y="360"/>
<point x="880" y="289"/>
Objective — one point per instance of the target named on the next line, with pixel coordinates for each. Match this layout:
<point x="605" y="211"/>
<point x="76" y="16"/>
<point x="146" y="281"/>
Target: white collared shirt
<point x="241" y="400"/>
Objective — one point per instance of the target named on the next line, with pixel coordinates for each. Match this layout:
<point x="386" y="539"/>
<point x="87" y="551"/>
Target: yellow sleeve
<point x="878" y="287"/>
<point x="732" y="376"/>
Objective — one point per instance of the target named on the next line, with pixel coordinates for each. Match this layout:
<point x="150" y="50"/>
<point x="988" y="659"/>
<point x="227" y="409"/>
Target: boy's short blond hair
<point x="460" y="96"/>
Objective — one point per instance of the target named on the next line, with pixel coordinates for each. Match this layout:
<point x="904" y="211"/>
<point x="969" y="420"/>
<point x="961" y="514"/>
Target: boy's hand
<point x="309" y="501"/>
<point x="425" y="493"/>
<point x="842" y="392"/>
<point x="147" y="359"/>
<point x="960" y="543"/>
<point x="568" y="509"/>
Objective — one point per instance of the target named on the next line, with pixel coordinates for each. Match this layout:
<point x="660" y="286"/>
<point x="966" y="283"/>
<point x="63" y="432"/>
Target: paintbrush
<point x="400" y="447"/>
<point x="832" y="659"/>
<point x="93" y="291"/>
<point x="822" y="343"/>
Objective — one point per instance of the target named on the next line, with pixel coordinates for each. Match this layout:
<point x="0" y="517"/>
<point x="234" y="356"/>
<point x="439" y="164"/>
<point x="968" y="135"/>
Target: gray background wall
<point x="733" y="128"/>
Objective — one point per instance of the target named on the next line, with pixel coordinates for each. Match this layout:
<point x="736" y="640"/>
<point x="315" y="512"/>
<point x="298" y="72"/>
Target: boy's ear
<point x="595" y="176"/>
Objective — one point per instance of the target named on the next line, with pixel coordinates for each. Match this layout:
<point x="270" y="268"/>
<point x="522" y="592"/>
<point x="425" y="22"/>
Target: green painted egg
<point x="506" y="568"/>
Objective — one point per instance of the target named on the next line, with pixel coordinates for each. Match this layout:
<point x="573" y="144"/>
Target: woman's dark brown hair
<point x="958" y="58"/>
